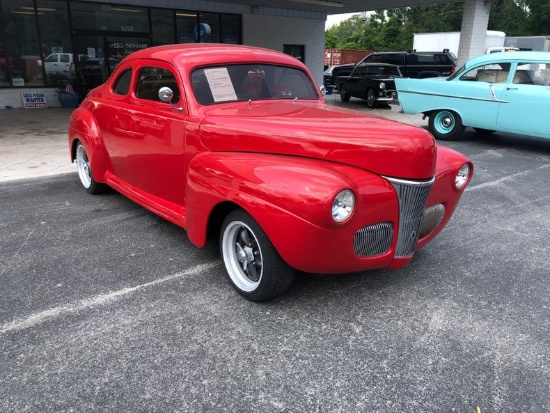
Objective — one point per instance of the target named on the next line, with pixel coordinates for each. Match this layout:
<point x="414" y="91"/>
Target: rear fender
<point x="84" y="128"/>
<point x="271" y="188"/>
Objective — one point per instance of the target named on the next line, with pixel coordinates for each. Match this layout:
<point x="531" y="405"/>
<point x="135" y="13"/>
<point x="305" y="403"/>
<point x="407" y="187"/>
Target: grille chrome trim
<point x="412" y="196"/>
<point x="373" y="240"/>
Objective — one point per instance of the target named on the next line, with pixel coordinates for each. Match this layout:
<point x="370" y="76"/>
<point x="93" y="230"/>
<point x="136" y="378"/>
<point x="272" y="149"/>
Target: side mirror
<point x="166" y="95"/>
<point x="323" y="89"/>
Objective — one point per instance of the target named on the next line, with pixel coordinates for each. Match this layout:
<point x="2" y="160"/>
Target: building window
<point x="162" y="24"/>
<point x="186" y="22"/>
<point x="55" y="41"/>
<point x="106" y="17"/>
<point x="19" y="59"/>
<point x="231" y="28"/>
<point x="209" y="28"/>
<point x="295" y="50"/>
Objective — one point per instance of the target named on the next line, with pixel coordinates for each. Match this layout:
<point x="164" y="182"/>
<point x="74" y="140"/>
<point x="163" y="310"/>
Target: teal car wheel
<point x="446" y="125"/>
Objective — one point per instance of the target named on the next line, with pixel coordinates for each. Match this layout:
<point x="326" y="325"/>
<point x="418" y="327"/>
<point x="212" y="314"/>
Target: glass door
<point x="99" y="55"/>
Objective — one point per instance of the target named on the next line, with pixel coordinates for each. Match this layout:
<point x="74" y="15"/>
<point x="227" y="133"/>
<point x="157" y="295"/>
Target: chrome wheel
<point x="254" y="266"/>
<point x="83" y="166"/>
<point x="242" y="256"/>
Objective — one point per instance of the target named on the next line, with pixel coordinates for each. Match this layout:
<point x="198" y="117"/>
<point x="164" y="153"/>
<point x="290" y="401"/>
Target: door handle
<point x="511" y="88"/>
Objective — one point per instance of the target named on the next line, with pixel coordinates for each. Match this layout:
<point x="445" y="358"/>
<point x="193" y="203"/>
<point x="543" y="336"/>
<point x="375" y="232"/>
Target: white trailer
<point x="435" y="42"/>
<point x="536" y="43"/>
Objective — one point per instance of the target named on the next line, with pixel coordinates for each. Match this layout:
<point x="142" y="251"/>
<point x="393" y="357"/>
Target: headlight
<point x="462" y="176"/>
<point x="342" y="206"/>
<point x="382" y="85"/>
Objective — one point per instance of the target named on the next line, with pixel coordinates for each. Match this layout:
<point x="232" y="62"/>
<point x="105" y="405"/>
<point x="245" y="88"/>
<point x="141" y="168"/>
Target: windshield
<point x="245" y="82"/>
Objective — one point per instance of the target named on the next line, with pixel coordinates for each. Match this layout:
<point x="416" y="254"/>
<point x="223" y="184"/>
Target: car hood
<point x="319" y="131"/>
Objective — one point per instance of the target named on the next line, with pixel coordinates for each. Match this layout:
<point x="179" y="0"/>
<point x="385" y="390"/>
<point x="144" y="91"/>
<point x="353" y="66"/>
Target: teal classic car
<point x="506" y="92"/>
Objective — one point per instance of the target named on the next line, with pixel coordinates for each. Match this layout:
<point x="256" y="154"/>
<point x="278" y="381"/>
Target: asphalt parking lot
<point x="106" y="307"/>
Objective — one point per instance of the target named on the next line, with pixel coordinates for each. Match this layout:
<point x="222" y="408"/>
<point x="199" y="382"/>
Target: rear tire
<point x="446" y="125"/>
<point x="255" y="268"/>
<point x="85" y="171"/>
<point x="344" y="96"/>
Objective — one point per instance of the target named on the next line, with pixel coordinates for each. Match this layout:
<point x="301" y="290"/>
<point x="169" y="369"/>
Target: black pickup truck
<point x="416" y="64"/>
<point x="373" y="82"/>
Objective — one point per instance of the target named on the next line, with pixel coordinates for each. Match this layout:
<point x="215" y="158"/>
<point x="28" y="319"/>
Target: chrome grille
<point x="413" y="196"/>
<point x="373" y="240"/>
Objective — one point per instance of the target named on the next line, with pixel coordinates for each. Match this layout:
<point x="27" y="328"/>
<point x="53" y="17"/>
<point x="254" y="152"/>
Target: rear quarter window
<point x="122" y="84"/>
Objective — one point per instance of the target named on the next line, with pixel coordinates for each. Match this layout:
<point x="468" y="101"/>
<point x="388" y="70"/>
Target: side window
<point x="374" y="59"/>
<point x="65" y="58"/>
<point x="494" y="73"/>
<point x="425" y="59"/>
<point x="394" y="59"/>
<point x="122" y="84"/>
<point x="532" y="74"/>
<point x="152" y="79"/>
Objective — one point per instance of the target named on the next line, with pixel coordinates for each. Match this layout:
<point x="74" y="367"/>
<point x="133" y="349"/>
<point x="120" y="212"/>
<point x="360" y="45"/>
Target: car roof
<point x="508" y="57"/>
<point x="413" y="52"/>
<point x="193" y="55"/>
<point x="377" y="64"/>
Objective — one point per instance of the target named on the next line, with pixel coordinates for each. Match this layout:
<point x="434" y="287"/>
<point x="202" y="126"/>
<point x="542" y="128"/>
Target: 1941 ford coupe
<point x="238" y="141"/>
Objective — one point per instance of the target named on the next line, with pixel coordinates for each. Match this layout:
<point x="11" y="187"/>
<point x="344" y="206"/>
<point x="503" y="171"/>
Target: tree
<point x="394" y="29"/>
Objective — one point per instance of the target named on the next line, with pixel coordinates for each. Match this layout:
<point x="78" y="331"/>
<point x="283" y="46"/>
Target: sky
<point x="337" y="18"/>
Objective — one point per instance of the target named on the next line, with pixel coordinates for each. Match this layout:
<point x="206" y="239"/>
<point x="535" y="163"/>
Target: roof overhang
<point x="339" y="6"/>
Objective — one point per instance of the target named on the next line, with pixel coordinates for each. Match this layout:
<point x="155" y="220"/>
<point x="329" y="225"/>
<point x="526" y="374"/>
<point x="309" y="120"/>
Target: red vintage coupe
<point x="238" y="141"/>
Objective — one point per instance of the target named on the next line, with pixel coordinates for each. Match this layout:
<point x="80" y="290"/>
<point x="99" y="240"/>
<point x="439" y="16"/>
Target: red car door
<point x="156" y="142"/>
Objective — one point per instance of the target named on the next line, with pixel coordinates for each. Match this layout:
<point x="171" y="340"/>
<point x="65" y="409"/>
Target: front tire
<point x="344" y="96"/>
<point x="371" y="102"/>
<point x="446" y="125"/>
<point x="85" y="171"/>
<point x="255" y="268"/>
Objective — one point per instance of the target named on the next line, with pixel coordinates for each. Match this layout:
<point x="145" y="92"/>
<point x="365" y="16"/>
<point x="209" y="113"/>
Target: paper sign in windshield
<point x="220" y="84"/>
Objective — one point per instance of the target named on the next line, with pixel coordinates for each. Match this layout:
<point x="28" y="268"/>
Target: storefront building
<point x="51" y="45"/>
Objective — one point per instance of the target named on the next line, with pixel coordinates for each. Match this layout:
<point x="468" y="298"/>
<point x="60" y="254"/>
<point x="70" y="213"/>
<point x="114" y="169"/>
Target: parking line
<point x="43" y="316"/>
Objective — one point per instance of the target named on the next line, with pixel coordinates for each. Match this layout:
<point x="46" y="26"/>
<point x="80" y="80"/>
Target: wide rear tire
<point x="255" y="268"/>
<point x="446" y="125"/>
<point x="85" y="174"/>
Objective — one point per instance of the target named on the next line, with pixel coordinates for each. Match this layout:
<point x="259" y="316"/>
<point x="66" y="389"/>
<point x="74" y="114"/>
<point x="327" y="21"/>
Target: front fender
<point x="444" y="191"/>
<point x="291" y="199"/>
<point x="83" y="127"/>
<point x="262" y="185"/>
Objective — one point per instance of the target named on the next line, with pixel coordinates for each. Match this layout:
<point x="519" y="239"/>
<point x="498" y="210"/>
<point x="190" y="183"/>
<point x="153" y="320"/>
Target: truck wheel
<point x="446" y="125"/>
<point x="344" y="94"/>
<point x="371" y="102"/>
<point x="255" y="268"/>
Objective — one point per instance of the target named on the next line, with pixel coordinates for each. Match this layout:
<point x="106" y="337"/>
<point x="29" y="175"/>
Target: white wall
<point x="13" y="97"/>
<point x="273" y="32"/>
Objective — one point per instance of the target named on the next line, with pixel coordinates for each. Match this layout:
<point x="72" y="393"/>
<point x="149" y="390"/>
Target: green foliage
<point x="394" y="29"/>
